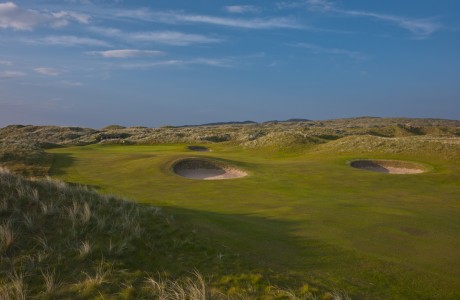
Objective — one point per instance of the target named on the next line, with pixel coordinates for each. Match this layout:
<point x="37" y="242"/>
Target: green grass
<point x="305" y="214"/>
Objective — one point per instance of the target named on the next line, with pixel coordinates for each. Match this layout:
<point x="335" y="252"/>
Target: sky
<point x="92" y="63"/>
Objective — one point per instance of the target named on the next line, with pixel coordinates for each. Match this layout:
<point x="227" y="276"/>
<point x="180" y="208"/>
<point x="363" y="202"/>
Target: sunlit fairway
<point x="373" y="235"/>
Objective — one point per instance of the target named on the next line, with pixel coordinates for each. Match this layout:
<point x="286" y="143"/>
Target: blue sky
<point x="98" y="62"/>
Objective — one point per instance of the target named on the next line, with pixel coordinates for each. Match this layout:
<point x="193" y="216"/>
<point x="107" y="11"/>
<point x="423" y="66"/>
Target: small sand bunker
<point x="198" y="148"/>
<point x="199" y="168"/>
<point x="388" y="166"/>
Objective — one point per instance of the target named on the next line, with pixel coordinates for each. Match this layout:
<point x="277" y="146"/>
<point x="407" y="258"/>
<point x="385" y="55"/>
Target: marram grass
<point x="59" y="241"/>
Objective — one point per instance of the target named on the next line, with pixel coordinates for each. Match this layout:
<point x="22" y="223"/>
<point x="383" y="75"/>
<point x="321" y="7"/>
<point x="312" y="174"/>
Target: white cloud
<point x="181" y="63"/>
<point x="11" y="74"/>
<point x="242" y="23"/>
<point x="334" y="51"/>
<point x="17" y="18"/>
<point x="70" y="40"/>
<point x="418" y="27"/>
<point x="241" y="9"/>
<point x="63" y="17"/>
<point x="6" y="62"/>
<point x="179" y="17"/>
<point x="47" y="71"/>
<point x="172" y="38"/>
<point x="311" y="4"/>
<point x="320" y="4"/>
<point x="107" y="31"/>
<point x="126" y="53"/>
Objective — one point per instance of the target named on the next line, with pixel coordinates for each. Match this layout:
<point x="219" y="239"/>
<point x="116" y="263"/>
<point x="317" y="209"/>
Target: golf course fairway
<point x="373" y="235"/>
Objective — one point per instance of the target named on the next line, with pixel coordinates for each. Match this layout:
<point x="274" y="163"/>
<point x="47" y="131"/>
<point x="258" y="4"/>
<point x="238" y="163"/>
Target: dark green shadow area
<point x="61" y="161"/>
<point x="267" y="245"/>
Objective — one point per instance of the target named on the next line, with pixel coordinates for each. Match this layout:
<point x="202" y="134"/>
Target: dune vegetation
<point x="303" y="223"/>
<point x="64" y="241"/>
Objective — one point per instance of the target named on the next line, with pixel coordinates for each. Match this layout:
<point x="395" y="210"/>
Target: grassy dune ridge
<point x="303" y="217"/>
<point x="61" y="241"/>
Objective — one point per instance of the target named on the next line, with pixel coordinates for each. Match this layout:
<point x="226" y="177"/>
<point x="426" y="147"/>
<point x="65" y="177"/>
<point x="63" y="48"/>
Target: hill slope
<point x="61" y="241"/>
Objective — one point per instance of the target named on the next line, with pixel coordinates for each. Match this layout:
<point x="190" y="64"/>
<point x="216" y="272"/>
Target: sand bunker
<point x="199" y="168"/>
<point x="198" y="148"/>
<point x="388" y="166"/>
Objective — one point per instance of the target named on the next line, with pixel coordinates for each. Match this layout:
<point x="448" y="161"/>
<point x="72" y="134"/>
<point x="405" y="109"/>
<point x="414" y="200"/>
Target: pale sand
<point x="211" y="174"/>
<point x="391" y="170"/>
<point x="388" y="166"/>
<point x="197" y="168"/>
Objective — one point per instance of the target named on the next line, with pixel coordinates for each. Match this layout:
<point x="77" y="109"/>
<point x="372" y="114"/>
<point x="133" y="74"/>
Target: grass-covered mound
<point x="61" y="241"/>
<point x="25" y="158"/>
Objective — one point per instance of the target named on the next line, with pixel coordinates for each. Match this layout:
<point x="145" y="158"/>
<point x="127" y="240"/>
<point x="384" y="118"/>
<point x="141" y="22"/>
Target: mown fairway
<point x="372" y="235"/>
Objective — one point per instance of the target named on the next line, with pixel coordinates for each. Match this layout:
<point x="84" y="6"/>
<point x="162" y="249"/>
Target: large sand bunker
<point x="199" y="168"/>
<point x="388" y="166"/>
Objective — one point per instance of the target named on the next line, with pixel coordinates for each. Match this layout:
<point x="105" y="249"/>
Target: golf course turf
<point x="305" y="213"/>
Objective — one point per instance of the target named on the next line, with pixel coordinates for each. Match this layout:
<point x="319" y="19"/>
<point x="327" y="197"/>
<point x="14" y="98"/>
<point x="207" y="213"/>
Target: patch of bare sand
<point x="388" y="166"/>
<point x="203" y="169"/>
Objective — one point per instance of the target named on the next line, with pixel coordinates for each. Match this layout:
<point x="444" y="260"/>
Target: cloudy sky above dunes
<point x="98" y="62"/>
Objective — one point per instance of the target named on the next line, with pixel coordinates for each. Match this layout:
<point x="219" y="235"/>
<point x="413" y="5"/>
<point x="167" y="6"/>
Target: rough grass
<point x="59" y="241"/>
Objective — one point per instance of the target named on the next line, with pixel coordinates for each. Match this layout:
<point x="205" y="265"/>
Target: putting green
<point x="370" y="234"/>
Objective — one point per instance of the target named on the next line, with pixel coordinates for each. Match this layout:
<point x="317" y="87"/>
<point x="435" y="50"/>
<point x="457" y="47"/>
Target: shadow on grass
<point x="272" y="248"/>
<point x="61" y="161"/>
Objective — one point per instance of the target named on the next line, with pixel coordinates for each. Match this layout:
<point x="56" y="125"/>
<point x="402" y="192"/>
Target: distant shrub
<point x="216" y="138"/>
<point x="113" y="135"/>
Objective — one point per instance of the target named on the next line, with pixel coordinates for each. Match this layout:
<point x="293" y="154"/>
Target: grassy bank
<point x="67" y="242"/>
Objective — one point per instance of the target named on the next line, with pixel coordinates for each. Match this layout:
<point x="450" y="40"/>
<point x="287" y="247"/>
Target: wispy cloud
<point x="241" y="9"/>
<point x="316" y="49"/>
<point x="47" y="71"/>
<point x="182" y="18"/>
<point x="126" y="53"/>
<point x="17" y="18"/>
<point x="63" y="18"/>
<point x="320" y="4"/>
<point x="311" y="4"/>
<point x="418" y="27"/>
<point x="107" y="31"/>
<point x="421" y="28"/>
<point x="181" y="63"/>
<point x="174" y="38"/>
<point x="11" y="74"/>
<point x="6" y="63"/>
<point x="70" y="41"/>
